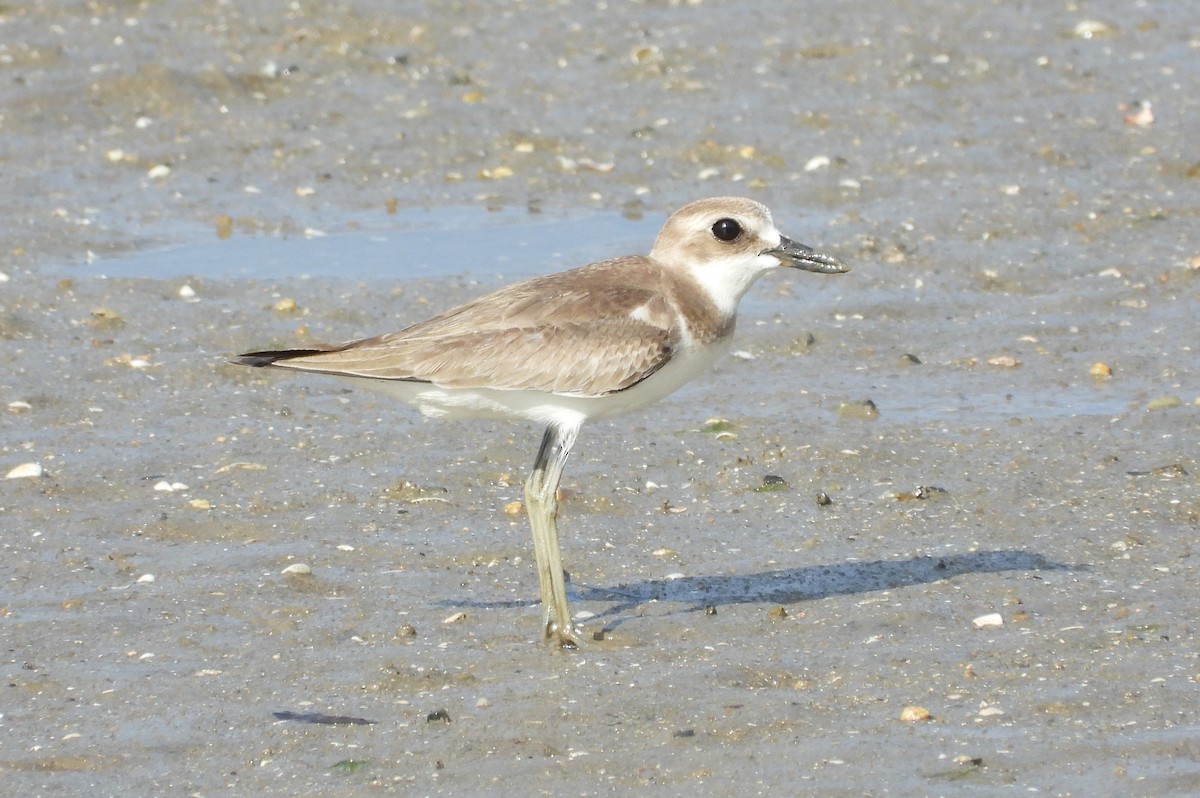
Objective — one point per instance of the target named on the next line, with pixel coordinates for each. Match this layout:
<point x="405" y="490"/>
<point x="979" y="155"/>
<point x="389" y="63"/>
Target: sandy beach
<point x="217" y="581"/>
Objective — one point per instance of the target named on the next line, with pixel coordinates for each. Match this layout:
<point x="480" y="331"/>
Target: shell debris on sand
<point x="25" y="471"/>
<point x="991" y="619"/>
<point x="915" y="714"/>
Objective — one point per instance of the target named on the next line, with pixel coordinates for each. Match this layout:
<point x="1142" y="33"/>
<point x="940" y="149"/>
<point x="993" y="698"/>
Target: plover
<point x="562" y="349"/>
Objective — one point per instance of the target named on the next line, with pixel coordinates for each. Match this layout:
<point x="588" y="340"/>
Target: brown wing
<point x="589" y="332"/>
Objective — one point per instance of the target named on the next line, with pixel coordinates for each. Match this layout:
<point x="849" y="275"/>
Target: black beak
<point x="799" y="256"/>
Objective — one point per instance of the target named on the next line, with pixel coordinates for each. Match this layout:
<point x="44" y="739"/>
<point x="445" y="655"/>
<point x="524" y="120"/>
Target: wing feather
<point x="577" y="332"/>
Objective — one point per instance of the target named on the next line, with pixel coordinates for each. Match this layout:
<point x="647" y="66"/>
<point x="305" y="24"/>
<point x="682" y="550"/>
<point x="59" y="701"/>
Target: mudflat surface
<point x="1012" y="235"/>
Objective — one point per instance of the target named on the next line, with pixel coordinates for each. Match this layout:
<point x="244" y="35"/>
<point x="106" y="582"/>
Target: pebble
<point x="1093" y="29"/>
<point x="514" y="508"/>
<point x="145" y="579"/>
<point x="19" y="406"/>
<point x="991" y="619"/>
<point x="455" y="618"/>
<point x="297" y="568"/>
<point x="1004" y="362"/>
<point x="864" y="409"/>
<point x="187" y="293"/>
<point x="914" y="714"/>
<point x="169" y="487"/>
<point x="1099" y="369"/>
<point x="1164" y="403"/>
<point x="25" y="471"/>
<point x="817" y="162"/>
<point x="159" y="171"/>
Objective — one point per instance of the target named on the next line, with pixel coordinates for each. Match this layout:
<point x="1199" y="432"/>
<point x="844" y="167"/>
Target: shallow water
<point x="981" y="181"/>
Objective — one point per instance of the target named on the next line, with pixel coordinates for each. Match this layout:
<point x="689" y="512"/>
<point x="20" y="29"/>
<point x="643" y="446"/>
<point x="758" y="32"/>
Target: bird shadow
<point x="792" y="585"/>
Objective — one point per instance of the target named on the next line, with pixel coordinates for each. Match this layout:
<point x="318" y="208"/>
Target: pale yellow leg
<point x="541" y="502"/>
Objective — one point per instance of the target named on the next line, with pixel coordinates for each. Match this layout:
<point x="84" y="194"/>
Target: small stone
<point x="915" y="714"/>
<point x="989" y="620"/>
<point x="25" y="471"/>
<point x="864" y="409"/>
<point x="514" y="508"/>
<point x="771" y="483"/>
<point x="987" y="712"/>
<point x="200" y="504"/>
<point x="455" y="618"/>
<point x="1100" y="370"/>
<point x="298" y="569"/>
<point x="1093" y="29"/>
<point x="482" y="703"/>
<point x="145" y="579"/>
<point x="407" y="630"/>
<point x="158" y="172"/>
<point x="817" y="162"/>
<point x="285" y="306"/>
<point x="1164" y="403"/>
<point x="187" y="293"/>
<point x="777" y="613"/>
<point x="496" y="173"/>
<point x="438" y="716"/>
<point x="1004" y="362"/>
<point x="823" y="499"/>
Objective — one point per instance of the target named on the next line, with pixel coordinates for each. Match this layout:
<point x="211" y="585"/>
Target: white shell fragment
<point x="169" y="487"/>
<point x="145" y="579"/>
<point x="297" y="568"/>
<point x="991" y="619"/>
<point x="25" y="471"/>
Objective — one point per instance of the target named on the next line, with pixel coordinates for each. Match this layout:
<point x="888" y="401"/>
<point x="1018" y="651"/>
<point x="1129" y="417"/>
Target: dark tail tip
<point x="260" y="359"/>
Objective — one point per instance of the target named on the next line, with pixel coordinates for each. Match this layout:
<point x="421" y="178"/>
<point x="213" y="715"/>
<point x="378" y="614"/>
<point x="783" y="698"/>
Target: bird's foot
<point x="567" y="637"/>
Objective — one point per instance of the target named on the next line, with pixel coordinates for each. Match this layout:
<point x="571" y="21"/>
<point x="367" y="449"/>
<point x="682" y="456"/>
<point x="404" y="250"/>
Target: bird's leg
<point x="541" y="501"/>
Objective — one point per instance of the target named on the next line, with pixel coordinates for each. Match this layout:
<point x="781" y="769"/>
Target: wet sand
<point x="1010" y="236"/>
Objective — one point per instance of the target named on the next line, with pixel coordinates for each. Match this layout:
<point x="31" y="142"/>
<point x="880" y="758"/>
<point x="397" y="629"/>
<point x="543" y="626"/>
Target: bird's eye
<point x="726" y="229"/>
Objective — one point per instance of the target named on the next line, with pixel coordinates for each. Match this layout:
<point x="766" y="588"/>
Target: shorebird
<point x="565" y="348"/>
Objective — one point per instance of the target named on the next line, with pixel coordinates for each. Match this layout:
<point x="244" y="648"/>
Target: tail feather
<point x="270" y="358"/>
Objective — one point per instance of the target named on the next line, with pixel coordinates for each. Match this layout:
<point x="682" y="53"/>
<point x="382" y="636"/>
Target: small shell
<point x="297" y="568"/>
<point x="914" y="714"/>
<point x="25" y="471"/>
<point x="991" y="619"/>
